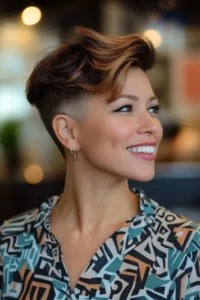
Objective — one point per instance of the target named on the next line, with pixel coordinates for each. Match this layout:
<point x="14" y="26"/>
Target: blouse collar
<point x="147" y="208"/>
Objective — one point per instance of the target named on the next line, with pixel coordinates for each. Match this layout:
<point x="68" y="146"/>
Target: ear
<point x="63" y="128"/>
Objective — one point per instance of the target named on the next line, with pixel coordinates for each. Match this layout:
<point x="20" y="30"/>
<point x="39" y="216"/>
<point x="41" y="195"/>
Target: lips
<point x="146" y="156"/>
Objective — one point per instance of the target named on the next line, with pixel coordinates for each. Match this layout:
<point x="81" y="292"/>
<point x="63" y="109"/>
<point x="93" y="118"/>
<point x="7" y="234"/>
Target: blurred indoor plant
<point x="9" y="138"/>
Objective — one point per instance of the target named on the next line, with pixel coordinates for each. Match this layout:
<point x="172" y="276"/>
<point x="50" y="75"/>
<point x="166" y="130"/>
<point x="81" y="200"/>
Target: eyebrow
<point x="133" y="97"/>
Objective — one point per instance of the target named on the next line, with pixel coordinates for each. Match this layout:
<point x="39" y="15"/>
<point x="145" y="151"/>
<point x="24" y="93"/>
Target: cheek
<point x="120" y="131"/>
<point x="102" y="134"/>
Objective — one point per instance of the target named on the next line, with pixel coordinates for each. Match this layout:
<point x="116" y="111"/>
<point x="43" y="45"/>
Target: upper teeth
<point x="144" y="149"/>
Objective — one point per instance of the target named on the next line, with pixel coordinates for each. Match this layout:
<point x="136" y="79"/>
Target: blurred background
<point x="31" y="167"/>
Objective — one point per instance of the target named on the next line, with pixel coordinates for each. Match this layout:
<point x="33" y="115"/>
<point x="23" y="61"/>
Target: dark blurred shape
<point x="84" y="13"/>
<point x="174" y="15"/>
<point x="62" y="14"/>
<point x="166" y="150"/>
<point x="86" y="9"/>
<point x="9" y="139"/>
<point x="172" y="12"/>
<point x="181" y="11"/>
<point x="21" y="197"/>
<point x="171" y="130"/>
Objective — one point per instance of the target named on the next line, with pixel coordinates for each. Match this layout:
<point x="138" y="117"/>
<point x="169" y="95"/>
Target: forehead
<point x="136" y="76"/>
<point x="136" y="83"/>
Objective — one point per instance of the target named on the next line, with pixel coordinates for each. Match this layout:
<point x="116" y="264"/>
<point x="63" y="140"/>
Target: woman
<point x="100" y="239"/>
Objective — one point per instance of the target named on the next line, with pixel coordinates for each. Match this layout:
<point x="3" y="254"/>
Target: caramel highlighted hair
<point x="88" y="62"/>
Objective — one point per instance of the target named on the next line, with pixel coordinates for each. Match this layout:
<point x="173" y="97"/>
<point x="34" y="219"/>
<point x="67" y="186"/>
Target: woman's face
<point x="110" y="128"/>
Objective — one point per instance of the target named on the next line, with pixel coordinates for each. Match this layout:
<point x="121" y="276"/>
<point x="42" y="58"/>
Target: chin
<point x="142" y="176"/>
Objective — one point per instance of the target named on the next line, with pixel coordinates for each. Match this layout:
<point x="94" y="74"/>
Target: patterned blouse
<point x="154" y="255"/>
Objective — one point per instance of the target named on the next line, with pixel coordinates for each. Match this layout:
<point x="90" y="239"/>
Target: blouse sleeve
<point x="193" y="286"/>
<point x="1" y="277"/>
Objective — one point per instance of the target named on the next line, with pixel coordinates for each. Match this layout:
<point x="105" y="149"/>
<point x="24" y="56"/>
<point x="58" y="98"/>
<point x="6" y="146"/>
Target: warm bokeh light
<point x="187" y="144"/>
<point x="31" y="15"/>
<point x="33" y="174"/>
<point x="154" y="36"/>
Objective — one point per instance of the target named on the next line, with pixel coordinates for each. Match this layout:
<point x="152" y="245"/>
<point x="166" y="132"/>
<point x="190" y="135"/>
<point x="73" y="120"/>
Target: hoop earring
<point x="75" y="154"/>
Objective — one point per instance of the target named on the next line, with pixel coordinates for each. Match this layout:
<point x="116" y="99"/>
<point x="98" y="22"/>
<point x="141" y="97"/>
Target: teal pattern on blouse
<point x="154" y="255"/>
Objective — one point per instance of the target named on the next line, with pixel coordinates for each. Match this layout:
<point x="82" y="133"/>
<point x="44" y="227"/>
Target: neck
<point x="90" y="203"/>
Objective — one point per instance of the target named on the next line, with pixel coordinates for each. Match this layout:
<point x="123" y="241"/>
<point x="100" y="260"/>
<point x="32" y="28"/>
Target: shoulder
<point x="23" y="227"/>
<point x="176" y="247"/>
<point x="180" y="232"/>
<point x="16" y="225"/>
<point x="16" y="234"/>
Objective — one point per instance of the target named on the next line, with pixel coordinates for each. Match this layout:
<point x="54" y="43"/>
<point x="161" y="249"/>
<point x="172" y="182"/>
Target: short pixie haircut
<point x="88" y="62"/>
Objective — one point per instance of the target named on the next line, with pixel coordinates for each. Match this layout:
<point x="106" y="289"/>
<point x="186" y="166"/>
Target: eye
<point x="156" y="109"/>
<point x="124" y="107"/>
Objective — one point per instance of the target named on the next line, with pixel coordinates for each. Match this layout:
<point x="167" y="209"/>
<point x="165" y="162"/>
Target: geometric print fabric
<point x="154" y="255"/>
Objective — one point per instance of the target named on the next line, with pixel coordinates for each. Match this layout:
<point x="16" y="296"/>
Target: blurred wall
<point x="29" y="160"/>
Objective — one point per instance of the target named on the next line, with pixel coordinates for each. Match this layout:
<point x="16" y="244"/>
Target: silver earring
<point x="70" y="149"/>
<point x="74" y="153"/>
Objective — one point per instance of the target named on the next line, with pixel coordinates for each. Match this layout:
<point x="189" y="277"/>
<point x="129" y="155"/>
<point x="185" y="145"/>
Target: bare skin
<point x="78" y="249"/>
<point x="96" y="200"/>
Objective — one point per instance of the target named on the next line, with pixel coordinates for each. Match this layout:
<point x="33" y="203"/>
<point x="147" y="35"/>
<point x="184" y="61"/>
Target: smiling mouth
<point x="144" y="152"/>
<point x="142" y="149"/>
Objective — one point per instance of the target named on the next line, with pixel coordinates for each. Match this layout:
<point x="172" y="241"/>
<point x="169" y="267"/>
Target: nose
<point x="147" y="123"/>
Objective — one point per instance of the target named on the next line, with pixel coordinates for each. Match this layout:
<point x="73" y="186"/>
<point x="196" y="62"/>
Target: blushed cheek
<point x="120" y="132"/>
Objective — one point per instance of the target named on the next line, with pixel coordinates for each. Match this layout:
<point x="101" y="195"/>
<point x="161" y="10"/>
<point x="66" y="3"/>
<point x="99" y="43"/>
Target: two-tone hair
<point x="88" y="62"/>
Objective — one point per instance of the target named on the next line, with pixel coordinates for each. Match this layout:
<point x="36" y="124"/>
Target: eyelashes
<point x="156" y="108"/>
<point x="129" y="106"/>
